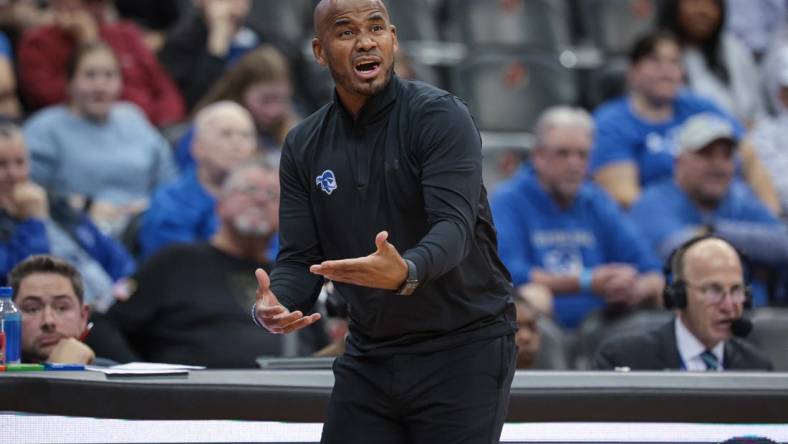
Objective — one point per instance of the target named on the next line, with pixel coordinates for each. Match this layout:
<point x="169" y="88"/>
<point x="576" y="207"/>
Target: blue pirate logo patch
<point x="327" y="182"/>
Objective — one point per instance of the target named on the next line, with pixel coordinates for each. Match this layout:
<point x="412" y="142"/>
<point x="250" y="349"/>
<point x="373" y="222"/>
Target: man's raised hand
<point x="274" y="316"/>
<point x="384" y="268"/>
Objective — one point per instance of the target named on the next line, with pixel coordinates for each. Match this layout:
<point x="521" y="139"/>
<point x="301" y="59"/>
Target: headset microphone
<point x="741" y="327"/>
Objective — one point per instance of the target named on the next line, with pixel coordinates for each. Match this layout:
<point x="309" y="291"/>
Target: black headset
<point x="674" y="294"/>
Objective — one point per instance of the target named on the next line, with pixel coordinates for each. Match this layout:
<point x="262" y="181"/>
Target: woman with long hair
<point x="717" y="64"/>
<point x="261" y="83"/>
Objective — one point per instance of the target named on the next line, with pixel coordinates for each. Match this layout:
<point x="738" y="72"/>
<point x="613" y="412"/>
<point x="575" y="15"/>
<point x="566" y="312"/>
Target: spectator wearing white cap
<point x="769" y="133"/>
<point x="703" y="196"/>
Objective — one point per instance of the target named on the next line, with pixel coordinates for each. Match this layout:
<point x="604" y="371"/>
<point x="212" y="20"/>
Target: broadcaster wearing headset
<point x="709" y="293"/>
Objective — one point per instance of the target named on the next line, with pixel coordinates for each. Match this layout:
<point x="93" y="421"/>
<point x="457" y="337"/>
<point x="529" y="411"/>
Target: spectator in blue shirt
<point x="185" y="209"/>
<point x="557" y="230"/>
<point x="32" y="222"/>
<point x="705" y="196"/>
<point x="635" y="142"/>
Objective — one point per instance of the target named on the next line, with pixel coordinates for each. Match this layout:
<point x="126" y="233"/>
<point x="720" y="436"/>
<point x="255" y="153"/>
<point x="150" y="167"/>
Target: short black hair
<point x="44" y="263"/>
<point x="646" y="44"/>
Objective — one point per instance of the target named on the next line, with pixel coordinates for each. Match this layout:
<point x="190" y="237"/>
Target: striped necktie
<point x="710" y="359"/>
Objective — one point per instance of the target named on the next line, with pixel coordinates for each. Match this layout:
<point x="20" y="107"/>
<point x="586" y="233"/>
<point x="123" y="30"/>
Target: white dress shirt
<point x="690" y="349"/>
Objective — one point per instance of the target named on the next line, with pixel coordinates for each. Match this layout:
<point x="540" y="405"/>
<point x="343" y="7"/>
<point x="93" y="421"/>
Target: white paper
<point x="145" y="368"/>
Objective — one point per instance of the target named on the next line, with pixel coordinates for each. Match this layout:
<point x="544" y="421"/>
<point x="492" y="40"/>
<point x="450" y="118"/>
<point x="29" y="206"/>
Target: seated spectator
<point x="96" y="147"/>
<point x="212" y="38"/>
<point x="44" y="54"/>
<point x="48" y="292"/>
<point x="185" y="209"/>
<point x="708" y="292"/>
<point x="769" y="133"/>
<point x="635" y="142"/>
<point x="557" y="230"/>
<point x="718" y="65"/>
<point x="260" y="82"/>
<point x="191" y="304"/>
<point x="34" y="223"/>
<point x="705" y="197"/>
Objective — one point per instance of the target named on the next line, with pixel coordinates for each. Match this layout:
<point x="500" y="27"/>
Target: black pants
<point x="452" y="396"/>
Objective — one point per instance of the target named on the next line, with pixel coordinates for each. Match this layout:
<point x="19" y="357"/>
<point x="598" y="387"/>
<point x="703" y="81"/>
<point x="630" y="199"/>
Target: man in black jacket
<point x="393" y="166"/>
<point x="709" y="291"/>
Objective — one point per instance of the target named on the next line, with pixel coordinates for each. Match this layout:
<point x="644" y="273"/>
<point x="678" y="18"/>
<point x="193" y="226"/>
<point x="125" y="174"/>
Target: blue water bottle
<point x="11" y="326"/>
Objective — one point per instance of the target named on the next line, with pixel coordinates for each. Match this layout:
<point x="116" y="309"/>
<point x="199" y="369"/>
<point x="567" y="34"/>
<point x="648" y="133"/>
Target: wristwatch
<point x="411" y="280"/>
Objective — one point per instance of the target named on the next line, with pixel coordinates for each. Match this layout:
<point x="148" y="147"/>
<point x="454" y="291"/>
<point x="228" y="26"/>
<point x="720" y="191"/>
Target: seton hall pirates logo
<point x="327" y="182"/>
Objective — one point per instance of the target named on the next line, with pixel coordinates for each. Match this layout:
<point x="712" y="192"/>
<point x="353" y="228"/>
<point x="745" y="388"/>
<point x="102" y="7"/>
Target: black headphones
<point x="674" y="294"/>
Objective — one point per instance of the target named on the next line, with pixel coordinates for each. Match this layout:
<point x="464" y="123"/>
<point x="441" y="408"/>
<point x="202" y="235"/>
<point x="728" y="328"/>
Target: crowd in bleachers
<point x="128" y="127"/>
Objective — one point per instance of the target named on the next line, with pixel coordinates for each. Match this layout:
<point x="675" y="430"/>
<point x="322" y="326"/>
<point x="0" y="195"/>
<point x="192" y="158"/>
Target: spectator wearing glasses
<point x="558" y="230"/>
<point x="184" y="210"/>
<point x="709" y="292"/>
<point x="190" y="303"/>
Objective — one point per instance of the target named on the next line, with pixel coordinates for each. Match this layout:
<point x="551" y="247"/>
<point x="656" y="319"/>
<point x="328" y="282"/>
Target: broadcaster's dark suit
<point x="657" y="350"/>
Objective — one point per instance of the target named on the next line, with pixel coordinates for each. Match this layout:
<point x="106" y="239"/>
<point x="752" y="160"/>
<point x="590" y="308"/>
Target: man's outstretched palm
<point x="384" y="268"/>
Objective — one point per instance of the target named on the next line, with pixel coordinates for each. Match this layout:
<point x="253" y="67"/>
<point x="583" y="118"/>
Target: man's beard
<point x="370" y="88"/>
<point x="252" y="225"/>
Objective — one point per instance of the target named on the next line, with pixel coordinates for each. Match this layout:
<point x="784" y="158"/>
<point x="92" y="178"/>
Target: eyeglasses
<point x="715" y="293"/>
<point x="253" y="191"/>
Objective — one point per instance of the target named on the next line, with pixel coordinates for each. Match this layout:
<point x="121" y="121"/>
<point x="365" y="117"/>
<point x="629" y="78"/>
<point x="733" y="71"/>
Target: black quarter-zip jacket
<point x="409" y="164"/>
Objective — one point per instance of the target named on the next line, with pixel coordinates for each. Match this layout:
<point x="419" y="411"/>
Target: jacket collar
<point x="376" y="106"/>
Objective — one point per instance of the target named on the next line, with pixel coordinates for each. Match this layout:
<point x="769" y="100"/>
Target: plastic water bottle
<point x="11" y="326"/>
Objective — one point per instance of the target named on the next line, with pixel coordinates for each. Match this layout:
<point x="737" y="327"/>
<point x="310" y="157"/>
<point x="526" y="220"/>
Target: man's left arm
<point x="451" y="177"/>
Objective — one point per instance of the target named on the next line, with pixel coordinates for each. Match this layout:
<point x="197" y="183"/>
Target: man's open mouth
<point x="367" y="69"/>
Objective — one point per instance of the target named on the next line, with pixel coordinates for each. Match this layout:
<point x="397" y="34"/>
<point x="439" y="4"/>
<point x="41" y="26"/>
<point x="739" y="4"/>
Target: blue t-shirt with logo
<point x="533" y="231"/>
<point x="623" y="136"/>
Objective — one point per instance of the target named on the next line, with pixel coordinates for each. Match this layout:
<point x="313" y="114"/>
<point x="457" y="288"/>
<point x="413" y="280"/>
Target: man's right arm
<point x="299" y="247"/>
<point x="613" y="163"/>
